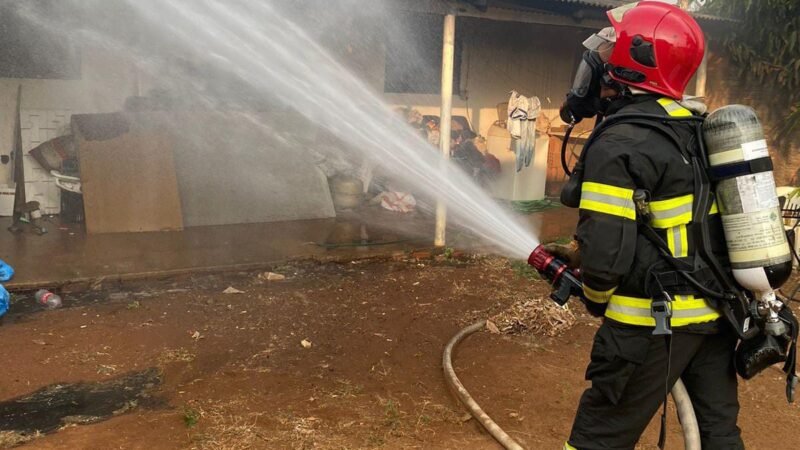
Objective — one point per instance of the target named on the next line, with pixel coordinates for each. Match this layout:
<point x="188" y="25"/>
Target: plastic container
<point x="48" y="299"/>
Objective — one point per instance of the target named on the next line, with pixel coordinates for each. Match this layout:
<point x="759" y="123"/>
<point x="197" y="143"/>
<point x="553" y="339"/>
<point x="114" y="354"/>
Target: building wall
<point x="725" y="86"/>
<point x="535" y="60"/>
<point x="498" y="57"/>
<point x="106" y="81"/>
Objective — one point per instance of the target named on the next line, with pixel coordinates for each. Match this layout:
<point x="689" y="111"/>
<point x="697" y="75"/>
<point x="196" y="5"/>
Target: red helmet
<point x="658" y="47"/>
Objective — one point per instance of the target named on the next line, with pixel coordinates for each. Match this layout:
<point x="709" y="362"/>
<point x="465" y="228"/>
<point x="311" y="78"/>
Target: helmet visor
<point x="583" y="79"/>
<point x="602" y="42"/>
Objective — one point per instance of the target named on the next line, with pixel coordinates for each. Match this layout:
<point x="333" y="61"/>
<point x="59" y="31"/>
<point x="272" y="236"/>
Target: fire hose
<point x="686" y="416"/>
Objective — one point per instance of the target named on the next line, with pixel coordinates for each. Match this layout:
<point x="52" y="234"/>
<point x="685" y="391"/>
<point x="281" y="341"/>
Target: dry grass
<point x="538" y="315"/>
<point x="226" y="427"/>
<point x="10" y="439"/>
<point x="175" y="355"/>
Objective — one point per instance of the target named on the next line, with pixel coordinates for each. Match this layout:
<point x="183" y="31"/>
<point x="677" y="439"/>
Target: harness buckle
<point x="641" y="200"/>
<point x="661" y="311"/>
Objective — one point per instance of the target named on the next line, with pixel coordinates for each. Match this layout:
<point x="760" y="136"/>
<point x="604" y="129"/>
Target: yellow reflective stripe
<point x="673" y="108"/>
<point x="671" y="203"/>
<point x="678" y="241"/>
<point x="675" y="211"/>
<point x="684" y="242"/>
<point x="608" y="199"/>
<point x="672" y="212"/>
<point x="607" y="189"/>
<point x="569" y="447"/>
<point x="590" y="205"/>
<point x="598" y="296"/>
<point x="686" y="310"/>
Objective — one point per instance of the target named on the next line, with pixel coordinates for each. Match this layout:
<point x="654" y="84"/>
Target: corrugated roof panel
<point x="599" y="3"/>
<point x="609" y="4"/>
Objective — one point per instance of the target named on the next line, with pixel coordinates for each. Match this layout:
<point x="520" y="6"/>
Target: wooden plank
<point x="129" y="183"/>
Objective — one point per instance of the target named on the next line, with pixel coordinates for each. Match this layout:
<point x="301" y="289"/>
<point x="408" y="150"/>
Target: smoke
<point x="285" y="73"/>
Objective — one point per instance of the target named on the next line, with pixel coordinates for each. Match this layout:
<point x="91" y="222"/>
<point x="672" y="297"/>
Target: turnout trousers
<point x="628" y="371"/>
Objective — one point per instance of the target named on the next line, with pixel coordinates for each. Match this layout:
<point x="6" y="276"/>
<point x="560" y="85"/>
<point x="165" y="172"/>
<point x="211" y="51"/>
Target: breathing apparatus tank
<point x="741" y="167"/>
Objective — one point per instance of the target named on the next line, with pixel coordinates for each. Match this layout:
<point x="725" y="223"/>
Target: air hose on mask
<point x="686" y="416"/>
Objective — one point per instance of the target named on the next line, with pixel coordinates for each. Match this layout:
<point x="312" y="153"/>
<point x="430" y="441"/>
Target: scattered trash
<point x="401" y="202"/>
<point x="48" y="299"/>
<point x="492" y="327"/>
<point x="415" y="284"/>
<point x="305" y="343"/>
<point x="196" y="336"/>
<point x="232" y="290"/>
<point x="272" y="276"/>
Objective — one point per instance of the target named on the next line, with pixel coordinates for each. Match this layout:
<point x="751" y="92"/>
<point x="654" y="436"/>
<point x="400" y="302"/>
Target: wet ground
<point x="66" y="255"/>
<point x="336" y="356"/>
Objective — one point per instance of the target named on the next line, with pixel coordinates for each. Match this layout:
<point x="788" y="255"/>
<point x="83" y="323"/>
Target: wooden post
<point x="448" y="62"/>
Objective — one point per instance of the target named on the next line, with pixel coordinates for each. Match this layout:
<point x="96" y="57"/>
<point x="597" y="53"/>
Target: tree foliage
<point x="766" y="48"/>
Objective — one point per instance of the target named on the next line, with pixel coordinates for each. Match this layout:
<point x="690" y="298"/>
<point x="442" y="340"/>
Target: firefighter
<point x="642" y="64"/>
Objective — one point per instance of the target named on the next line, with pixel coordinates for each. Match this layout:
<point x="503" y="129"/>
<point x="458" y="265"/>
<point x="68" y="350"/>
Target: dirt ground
<point x="337" y="356"/>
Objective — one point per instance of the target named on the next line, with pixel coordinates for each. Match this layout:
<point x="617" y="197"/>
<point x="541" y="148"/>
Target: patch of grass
<point x="448" y="253"/>
<point x="134" y="305"/>
<point x="190" y="416"/>
<point x="391" y="414"/>
<point x="375" y="439"/>
<point x="460" y="288"/>
<point x="345" y="389"/>
<point x="175" y="355"/>
<point x="563" y="240"/>
<point x="431" y="413"/>
<point x="523" y="270"/>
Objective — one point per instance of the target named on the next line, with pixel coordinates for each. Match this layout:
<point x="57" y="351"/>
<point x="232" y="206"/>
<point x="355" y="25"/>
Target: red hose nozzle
<point x="554" y="270"/>
<point x="540" y="258"/>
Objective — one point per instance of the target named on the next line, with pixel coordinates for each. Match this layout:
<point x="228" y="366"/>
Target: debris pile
<point x="538" y="315"/>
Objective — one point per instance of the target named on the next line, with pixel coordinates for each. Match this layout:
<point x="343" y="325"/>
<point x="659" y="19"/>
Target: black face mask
<point x="583" y="100"/>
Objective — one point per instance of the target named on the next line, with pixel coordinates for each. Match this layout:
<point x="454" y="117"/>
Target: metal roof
<point x="603" y="4"/>
<point x="599" y="3"/>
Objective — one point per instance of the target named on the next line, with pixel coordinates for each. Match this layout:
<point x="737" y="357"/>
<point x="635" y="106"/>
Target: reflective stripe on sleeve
<point x="686" y="310"/>
<point x="672" y="212"/>
<point x="569" y="447"/>
<point x="608" y="199"/>
<point x="598" y="296"/>
<point x="675" y="211"/>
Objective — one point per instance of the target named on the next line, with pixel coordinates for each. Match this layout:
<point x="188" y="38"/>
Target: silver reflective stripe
<point x="608" y="199"/>
<point x="676" y="314"/>
<point x="671" y="106"/>
<point x="689" y="313"/>
<point x="673" y="212"/>
<point x="676" y="239"/>
<point x="629" y="310"/>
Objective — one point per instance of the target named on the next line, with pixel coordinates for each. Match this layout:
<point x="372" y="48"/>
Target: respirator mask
<point x="583" y="100"/>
